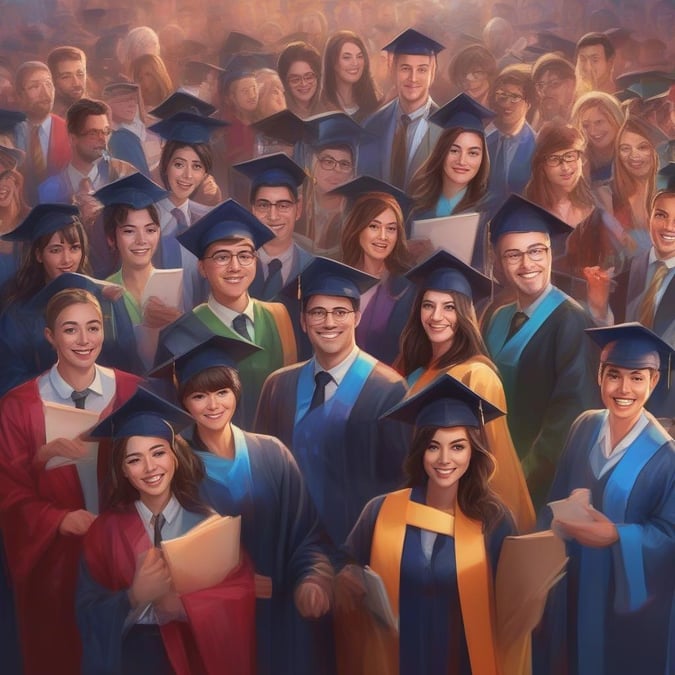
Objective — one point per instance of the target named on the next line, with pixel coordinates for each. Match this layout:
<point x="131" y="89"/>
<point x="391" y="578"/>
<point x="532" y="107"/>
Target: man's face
<point x="331" y="338"/>
<point x="510" y="106"/>
<point x="555" y="94"/>
<point x="625" y="391"/>
<point x="593" y="65"/>
<point x="229" y="282"/>
<point x="36" y="96"/>
<point x="414" y="75"/>
<point x="662" y="226"/>
<point x="92" y="139"/>
<point x="70" y="80"/>
<point x="279" y="210"/>
<point x="124" y="107"/>
<point x="528" y="277"/>
<point x="244" y="94"/>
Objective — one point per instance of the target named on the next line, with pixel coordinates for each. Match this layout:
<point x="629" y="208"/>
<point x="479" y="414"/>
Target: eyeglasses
<point x="514" y="257"/>
<point x="283" y="206"/>
<point x="331" y="164"/>
<point x="567" y="157"/>
<point x="318" y="315"/>
<point x="223" y="258"/>
<point x="545" y="85"/>
<point x="475" y="74"/>
<point x="504" y="96"/>
<point x="92" y="134"/>
<point x="307" y="78"/>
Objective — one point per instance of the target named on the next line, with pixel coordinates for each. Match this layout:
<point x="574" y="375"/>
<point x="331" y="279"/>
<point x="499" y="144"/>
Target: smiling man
<point x="327" y="409"/>
<point x="68" y="66"/>
<point x="537" y="342"/>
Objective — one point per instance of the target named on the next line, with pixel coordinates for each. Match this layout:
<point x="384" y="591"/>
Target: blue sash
<point x="414" y="376"/>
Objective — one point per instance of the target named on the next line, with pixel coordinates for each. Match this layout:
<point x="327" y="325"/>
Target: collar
<point x="338" y="372"/>
<point x="64" y="390"/>
<point x="533" y="307"/>
<point x="285" y="258"/>
<point x="604" y="437"/>
<point x="76" y="177"/>
<point x="415" y="115"/>
<point x="46" y="125"/>
<point x="170" y="512"/>
<point x="226" y="314"/>
<point x="670" y="262"/>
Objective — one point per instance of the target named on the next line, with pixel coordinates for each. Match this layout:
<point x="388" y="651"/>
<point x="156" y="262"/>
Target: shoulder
<point x="387" y="110"/>
<point x="58" y="123"/>
<point x="387" y="375"/>
<point x="284" y="375"/>
<point x="21" y="395"/>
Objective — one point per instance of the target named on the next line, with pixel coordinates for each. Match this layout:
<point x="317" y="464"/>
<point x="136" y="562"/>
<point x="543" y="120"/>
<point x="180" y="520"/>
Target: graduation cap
<point x="135" y="190"/>
<point x="411" y="41"/>
<point x="333" y="129"/>
<point x="210" y="353"/>
<point x="227" y="220"/>
<point x="121" y="88"/>
<point x="552" y="42"/>
<point x="181" y="101"/>
<point x="518" y="214"/>
<point x="187" y="127"/>
<point x="462" y="111"/>
<point x="144" y="414"/>
<point x="10" y="158"/>
<point x="284" y="125"/>
<point x="445" y="402"/>
<point x="245" y="65"/>
<point x="9" y="119"/>
<point x="631" y="345"/>
<point x="361" y="185"/>
<point x="652" y="86"/>
<point x="625" y="95"/>
<point x="187" y="329"/>
<point x="647" y="74"/>
<point x="237" y="42"/>
<point x="64" y="281"/>
<point x="324" y="276"/>
<point x="196" y="71"/>
<point x="43" y="219"/>
<point x="444" y="272"/>
<point x="668" y="172"/>
<point x="274" y="170"/>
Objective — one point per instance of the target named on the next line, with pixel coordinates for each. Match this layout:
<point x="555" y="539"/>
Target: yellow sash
<point x="285" y="327"/>
<point x="473" y="573"/>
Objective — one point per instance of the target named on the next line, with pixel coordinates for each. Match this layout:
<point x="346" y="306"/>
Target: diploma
<point x="456" y="234"/>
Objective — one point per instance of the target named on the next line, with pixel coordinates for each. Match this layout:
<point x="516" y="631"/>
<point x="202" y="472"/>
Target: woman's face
<point x="8" y="190"/>
<point x="566" y="173"/>
<point x="599" y="130"/>
<point x="302" y="81"/>
<point x="213" y="410"/>
<point x="636" y="155"/>
<point x="184" y="173"/>
<point x="59" y="256"/>
<point x="378" y="237"/>
<point x="149" y="464"/>
<point x="333" y="167"/>
<point x="137" y="239"/>
<point x="438" y="315"/>
<point x="476" y="82"/>
<point x="148" y="83"/>
<point x="350" y="63"/>
<point x="447" y="457"/>
<point x="463" y="159"/>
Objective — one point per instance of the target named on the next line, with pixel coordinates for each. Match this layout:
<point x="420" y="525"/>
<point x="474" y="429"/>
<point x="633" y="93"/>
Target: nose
<point x="437" y="313"/>
<point x="444" y="456"/>
<point x="234" y="263"/>
<point x="330" y="319"/>
<point x="82" y="336"/>
<point x="211" y="402"/>
<point x="67" y="257"/>
<point x="625" y="385"/>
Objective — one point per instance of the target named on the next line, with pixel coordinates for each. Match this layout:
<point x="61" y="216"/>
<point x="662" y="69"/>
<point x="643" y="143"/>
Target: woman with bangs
<point x="472" y="71"/>
<point x="299" y="68"/>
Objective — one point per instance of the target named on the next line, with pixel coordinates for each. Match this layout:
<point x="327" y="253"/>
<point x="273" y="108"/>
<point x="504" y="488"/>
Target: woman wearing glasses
<point x="299" y="68"/>
<point x="472" y="71"/>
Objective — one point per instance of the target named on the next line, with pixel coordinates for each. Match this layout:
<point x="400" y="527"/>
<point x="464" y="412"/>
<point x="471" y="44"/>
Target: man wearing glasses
<point x="511" y="144"/>
<point x="555" y="82"/>
<point x="327" y="409"/>
<point x="537" y="342"/>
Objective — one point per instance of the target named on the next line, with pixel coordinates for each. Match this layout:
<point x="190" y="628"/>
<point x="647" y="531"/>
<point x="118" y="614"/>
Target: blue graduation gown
<point x="619" y="598"/>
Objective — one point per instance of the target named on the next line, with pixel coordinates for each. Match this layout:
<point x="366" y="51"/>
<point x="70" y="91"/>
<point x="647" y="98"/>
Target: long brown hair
<point x="292" y="53"/>
<point x="416" y="349"/>
<point x="475" y="497"/>
<point x="158" y="69"/>
<point x="367" y="207"/>
<point x="426" y="185"/>
<point x="555" y="138"/>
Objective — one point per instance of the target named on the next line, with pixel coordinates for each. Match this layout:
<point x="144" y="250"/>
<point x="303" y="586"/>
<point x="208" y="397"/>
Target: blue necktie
<point x="240" y="326"/>
<point x="273" y="282"/>
<point x="171" y="250"/>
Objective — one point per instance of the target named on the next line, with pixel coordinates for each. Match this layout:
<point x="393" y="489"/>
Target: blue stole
<point x="319" y="442"/>
<point x="626" y="555"/>
<point x="414" y="376"/>
<point x="506" y="354"/>
<point x="446" y="206"/>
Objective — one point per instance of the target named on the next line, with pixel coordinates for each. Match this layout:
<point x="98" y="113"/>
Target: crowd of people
<point x="212" y="272"/>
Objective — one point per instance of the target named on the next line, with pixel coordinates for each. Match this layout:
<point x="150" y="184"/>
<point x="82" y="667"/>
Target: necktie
<point x="648" y="304"/>
<point x="181" y="221"/>
<point x="36" y="154"/>
<point x="240" y="325"/>
<point x="399" y="152"/>
<point x="273" y="282"/>
<point x="519" y="318"/>
<point x="79" y="398"/>
<point x="171" y="253"/>
<point x="499" y="170"/>
<point x="158" y="523"/>
<point x="322" y="378"/>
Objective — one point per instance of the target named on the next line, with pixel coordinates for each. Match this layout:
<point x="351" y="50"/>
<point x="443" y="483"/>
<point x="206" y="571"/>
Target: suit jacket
<point x="519" y="170"/>
<point x="375" y="156"/>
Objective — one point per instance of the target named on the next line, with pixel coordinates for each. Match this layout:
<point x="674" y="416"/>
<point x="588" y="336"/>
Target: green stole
<point x="134" y="310"/>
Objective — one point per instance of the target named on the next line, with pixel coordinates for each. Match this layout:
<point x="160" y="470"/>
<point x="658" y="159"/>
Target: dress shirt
<point x="54" y="389"/>
<point x="338" y="372"/>
<point x="227" y="315"/>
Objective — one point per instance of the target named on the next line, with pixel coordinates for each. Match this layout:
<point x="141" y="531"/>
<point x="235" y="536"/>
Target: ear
<point x="303" y="323"/>
<point x="357" y="318"/>
<point x="200" y="267"/>
<point x="299" y="210"/>
<point x="654" y="380"/>
<point x="49" y="336"/>
<point x="38" y="255"/>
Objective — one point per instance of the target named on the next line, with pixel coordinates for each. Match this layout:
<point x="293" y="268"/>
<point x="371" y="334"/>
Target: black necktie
<point x="273" y="282"/>
<point x="322" y="378"/>
<point x="158" y="523"/>
<point x="240" y="325"/>
<point x="519" y="318"/>
<point x="399" y="152"/>
<point x="79" y="398"/>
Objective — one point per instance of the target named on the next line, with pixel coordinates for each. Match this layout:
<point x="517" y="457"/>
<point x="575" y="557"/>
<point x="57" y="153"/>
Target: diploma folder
<point x="456" y="234"/>
<point x="166" y="285"/>
<point x="205" y="555"/>
<point x="377" y="600"/>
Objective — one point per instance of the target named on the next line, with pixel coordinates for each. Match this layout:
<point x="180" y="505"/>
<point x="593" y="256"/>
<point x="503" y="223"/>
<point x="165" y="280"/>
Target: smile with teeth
<point x="529" y="275"/>
<point x="624" y="402"/>
<point x="83" y="352"/>
<point x="152" y="481"/>
<point x="443" y="473"/>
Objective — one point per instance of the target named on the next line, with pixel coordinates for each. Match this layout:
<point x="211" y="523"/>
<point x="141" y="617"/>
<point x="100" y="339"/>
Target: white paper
<point x="377" y="599"/>
<point x="456" y="234"/>
<point x="167" y="286"/>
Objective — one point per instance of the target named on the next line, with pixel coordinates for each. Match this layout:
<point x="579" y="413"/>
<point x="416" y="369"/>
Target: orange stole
<point x="285" y="327"/>
<point x="473" y="573"/>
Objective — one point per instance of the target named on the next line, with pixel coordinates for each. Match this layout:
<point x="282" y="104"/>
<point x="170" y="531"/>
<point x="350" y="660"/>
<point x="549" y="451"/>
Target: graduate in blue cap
<point x="42" y="506"/>
<point x="404" y="134"/>
<point x="226" y="241"/>
<point x="622" y="548"/>
<point x="255" y="476"/>
<point x="537" y="341"/>
<point x="442" y="336"/>
<point x="331" y="403"/>
<point x="130" y="617"/>
<point x="435" y="544"/>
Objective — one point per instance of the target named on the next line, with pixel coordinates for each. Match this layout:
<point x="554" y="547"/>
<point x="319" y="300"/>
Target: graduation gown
<point x="33" y="502"/>
<point x="548" y="372"/>
<point x="282" y="534"/>
<point x="218" y="636"/>
<point x="620" y="598"/>
<point x="346" y="454"/>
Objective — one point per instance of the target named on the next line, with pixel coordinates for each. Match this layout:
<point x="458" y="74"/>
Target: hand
<point x="209" y="188"/>
<point x="157" y="315"/>
<point x="349" y="589"/>
<point x="76" y="523"/>
<point x="112" y="292"/>
<point x="61" y="447"/>
<point x="263" y="586"/>
<point x="599" y="284"/>
<point x="311" y="599"/>
<point x="169" y="608"/>
<point x="152" y="579"/>
<point x="600" y="533"/>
